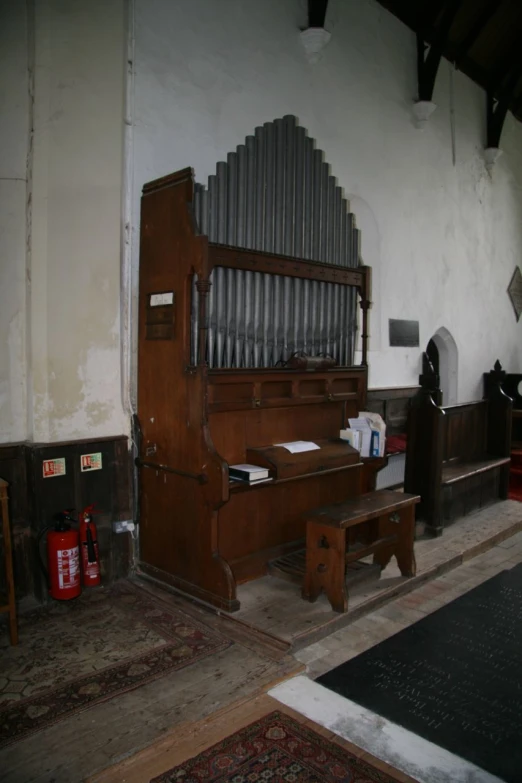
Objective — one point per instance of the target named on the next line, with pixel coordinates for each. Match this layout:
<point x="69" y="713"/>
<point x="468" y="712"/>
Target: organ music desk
<point x="216" y="323"/>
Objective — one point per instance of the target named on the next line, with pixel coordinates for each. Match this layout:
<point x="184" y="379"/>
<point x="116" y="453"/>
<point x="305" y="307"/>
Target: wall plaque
<point x="515" y="292"/>
<point x="404" y="333"/>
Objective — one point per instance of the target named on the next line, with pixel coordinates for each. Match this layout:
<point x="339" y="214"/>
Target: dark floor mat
<point x="454" y="677"/>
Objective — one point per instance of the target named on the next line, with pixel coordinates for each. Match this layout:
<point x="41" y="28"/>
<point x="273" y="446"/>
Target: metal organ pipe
<point x="275" y="194"/>
<point x="289" y="168"/>
<point x="269" y="187"/>
<point x="307" y="197"/>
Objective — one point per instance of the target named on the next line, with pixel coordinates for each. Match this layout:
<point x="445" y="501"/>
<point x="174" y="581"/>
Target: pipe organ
<point x="275" y="193"/>
<point x="236" y="278"/>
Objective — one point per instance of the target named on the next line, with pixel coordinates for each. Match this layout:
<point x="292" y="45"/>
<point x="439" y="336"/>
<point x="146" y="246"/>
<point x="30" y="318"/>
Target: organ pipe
<point x="275" y="193"/>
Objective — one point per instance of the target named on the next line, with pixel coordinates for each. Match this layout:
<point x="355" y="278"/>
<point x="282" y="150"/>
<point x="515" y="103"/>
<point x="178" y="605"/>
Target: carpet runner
<point x="275" y="748"/>
<point x="73" y="655"/>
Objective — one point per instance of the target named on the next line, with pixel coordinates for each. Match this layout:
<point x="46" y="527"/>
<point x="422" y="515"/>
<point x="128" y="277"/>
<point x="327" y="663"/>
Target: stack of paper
<point x="354" y="438"/>
<point x="367" y="434"/>
<point x="379" y="432"/>
<point x="362" y="426"/>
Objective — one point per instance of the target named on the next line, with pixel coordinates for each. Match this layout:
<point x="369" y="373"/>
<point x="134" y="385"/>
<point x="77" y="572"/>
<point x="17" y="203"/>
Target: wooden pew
<point x="457" y="456"/>
<point x="511" y="384"/>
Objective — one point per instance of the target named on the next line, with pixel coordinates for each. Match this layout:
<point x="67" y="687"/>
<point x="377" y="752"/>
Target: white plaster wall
<point x="445" y="238"/>
<point x="74" y="305"/>
<point x="14" y="126"/>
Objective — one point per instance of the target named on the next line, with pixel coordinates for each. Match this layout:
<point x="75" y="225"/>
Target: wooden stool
<point x="381" y="524"/>
<point x="8" y="553"/>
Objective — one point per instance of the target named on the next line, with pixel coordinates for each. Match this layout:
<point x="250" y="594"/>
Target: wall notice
<point x="54" y="467"/>
<point x="91" y="462"/>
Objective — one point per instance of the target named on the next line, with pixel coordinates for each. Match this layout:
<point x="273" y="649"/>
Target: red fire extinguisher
<point x="89" y="549"/>
<point x="63" y="559"/>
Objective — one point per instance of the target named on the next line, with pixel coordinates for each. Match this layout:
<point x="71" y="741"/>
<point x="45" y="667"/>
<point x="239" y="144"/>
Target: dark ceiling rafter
<point x="317" y="12"/>
<point x="477" y="28"/>
<point x="483" y="44"/>
<point x="504" y="68"/>
<point x="498" y="102"/>
<point x="428" y="64"/>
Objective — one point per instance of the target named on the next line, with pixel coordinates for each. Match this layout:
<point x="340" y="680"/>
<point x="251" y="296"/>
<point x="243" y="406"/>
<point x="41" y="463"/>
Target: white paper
<point x="353" y="437"/>
<point x="157" y="300"/>
<point x="296" y="446"/>
<point x="363" y="426"/>
<point x="361" y="423"/>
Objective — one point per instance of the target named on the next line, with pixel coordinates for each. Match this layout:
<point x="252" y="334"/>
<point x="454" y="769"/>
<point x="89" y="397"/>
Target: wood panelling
<point x="34" y="501"/>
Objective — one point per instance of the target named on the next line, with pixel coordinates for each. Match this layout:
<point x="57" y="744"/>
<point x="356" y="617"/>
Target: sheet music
<point x="297" y="446"/>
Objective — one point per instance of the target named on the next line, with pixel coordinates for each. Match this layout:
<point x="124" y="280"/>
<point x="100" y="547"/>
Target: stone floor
<point x="273" y="605"/>
<point x="89" y="741"/>
<point x="403" y="750"/>
<point x="475" y="549"/>
<point x="387" y="620"/>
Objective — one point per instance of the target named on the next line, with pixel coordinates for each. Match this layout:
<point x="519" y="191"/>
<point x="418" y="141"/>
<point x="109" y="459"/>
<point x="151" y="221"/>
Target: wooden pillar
<point x="8" y="553"/>
<point x="203" y="287"/>
<point x="365" y="293"/>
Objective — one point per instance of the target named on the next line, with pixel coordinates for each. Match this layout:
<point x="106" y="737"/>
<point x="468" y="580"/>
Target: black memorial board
<point x="454" y="677"/>
<point x="403" y="333"/>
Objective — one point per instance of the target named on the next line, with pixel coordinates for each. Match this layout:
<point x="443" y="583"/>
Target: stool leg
<point x="326" y="565"/>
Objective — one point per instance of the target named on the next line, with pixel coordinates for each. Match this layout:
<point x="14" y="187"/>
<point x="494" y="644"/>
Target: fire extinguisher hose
<point x="91" y="554"/>
<point x="41" y="561"/>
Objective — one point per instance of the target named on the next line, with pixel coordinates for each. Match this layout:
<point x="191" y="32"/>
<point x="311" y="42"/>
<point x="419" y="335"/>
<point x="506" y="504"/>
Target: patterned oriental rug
<point x="274" y="749"/>
<point x="73" y="655"/>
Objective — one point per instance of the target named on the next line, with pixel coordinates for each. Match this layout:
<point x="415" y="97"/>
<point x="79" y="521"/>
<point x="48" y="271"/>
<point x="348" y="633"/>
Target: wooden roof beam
<point x="317" y="12"/>
<point x="487" y="13"/>
<point x="501" y="73"/>
<point x="497" y="109"/>
<point x="428" y="65"/>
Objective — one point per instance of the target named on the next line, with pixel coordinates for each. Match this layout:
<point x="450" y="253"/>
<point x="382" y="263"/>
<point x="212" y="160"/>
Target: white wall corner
<point x="422" y="111"/>
<point x="314" y="39"/>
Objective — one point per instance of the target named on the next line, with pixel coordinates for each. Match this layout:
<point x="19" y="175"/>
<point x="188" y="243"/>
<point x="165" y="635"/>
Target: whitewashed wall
<point x="76" y="226"/>
<point x="14" y="133"/>
<point x="60" y="353"/>
<point x="443" y="239"/>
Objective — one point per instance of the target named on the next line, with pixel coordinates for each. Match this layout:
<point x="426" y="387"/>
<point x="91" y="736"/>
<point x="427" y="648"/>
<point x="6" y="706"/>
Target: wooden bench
<point x="457" y="456"/>
<point x="380" y="523"/>
<point x="511" y="384"/>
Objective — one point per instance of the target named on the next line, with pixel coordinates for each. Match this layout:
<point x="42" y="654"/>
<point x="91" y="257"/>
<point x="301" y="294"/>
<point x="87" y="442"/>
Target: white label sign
<point x="91" y="462"/>
<point x="162" y="299"/>
<point x="53" y="467"/>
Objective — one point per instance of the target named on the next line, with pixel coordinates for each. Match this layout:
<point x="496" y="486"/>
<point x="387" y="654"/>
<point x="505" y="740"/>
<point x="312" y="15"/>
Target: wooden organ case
<point x="217" y="324"/>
